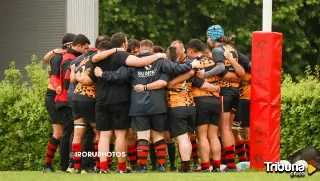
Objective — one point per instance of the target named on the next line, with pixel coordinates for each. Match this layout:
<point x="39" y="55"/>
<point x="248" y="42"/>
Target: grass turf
<point x="239" y="176"/>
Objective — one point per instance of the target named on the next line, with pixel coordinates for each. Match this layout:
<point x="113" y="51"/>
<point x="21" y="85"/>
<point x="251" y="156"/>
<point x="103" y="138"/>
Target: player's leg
<point x="244" y="106"/>
<point x="226" y="132"/>
<point x="171" y="149"/>
<point x="89" y="162"/>
<point x="182" y="123"/>
<point x="158" y="126"/>
<point x="153" y="156"/>
<point x="120" y="125"/>
<point x="202" y="124"/>
<point x="132" y="148"/>
<point x="54" y="141"/>
<point x="66" y="140"/>
<point x="103" y="125"/>
<point x="141" y="124"/>
<point x="79" y="130"/>
<point x="111" y="149"/>
<point x="96" y="169"/>
<point x="215" y="146"/>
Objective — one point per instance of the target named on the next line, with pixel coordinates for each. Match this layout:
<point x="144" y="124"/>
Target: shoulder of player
<point x="218" y="49"/>
<point x="56" y="57"/>
<point x="206" y="58"/>
<point x="121" y="53"/>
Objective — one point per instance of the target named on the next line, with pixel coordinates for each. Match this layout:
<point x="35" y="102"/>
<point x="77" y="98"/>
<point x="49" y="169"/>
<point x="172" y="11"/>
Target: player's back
<point x="111" y="93"/>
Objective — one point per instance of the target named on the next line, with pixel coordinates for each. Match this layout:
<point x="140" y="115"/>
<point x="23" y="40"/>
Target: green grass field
<point x="240" y="176"/>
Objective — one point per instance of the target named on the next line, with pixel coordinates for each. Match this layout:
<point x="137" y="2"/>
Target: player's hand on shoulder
<point x="227" y="54"/>
<point x="161" y="55"/>
<point x="195" y="63"/>
<point x="98" y="72"/>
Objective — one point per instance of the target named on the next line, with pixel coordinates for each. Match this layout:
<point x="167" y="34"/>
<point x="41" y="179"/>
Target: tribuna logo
<point x="295" y="170"/>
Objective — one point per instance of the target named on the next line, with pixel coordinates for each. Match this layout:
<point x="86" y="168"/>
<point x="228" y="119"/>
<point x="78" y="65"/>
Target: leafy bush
<point x="24" y="122"/>
<point x="300" y="110"/>
<point x="25" y="125"/>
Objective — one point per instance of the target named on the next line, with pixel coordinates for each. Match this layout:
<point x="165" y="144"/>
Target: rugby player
<point x="56" y="118"/>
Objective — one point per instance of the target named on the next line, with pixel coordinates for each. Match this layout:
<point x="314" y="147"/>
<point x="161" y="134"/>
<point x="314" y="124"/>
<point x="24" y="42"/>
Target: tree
<point x="164" y="21"/>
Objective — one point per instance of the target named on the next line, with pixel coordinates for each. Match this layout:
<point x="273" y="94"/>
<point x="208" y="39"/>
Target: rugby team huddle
<point x="131" y="96"/>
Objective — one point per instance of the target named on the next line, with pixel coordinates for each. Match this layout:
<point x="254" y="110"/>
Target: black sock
<point x="153" y="156"/>
<point x="110" y="158"/>
<point x="172" y="153"/>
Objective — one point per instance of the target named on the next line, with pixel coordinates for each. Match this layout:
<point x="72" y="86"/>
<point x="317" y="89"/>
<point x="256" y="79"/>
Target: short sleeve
<point x="122" y="57"/>
<point x="218" y="55"/>
<point x="55" y="64"/>
<point x="197" y="82"/>
<point x="244" y="61"/>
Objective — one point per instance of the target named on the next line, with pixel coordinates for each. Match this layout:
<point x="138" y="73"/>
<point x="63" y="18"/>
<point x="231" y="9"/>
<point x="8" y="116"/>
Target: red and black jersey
<point x="64" y="76"/>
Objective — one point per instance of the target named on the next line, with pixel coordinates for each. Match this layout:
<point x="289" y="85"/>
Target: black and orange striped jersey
<point x="81" y="92"/>
<point x="245" y="88"/>
<point x="180" y="95"/>
<point x="207" y="64"/>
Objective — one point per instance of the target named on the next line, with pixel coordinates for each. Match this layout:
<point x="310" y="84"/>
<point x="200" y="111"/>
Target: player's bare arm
<point x="105" y="54"/>
<point x="237" y="67"/>
<point x="210" y="87"/>
<point x="159" y="84"/>
<point x="230" y="77"/>
<point x="180" y="78"/>
<point x="133" y="61"/>
<point x="49" y="55"/>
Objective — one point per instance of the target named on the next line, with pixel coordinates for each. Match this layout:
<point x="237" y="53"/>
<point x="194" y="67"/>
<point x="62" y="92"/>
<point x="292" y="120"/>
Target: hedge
<point x="25" y="126"/>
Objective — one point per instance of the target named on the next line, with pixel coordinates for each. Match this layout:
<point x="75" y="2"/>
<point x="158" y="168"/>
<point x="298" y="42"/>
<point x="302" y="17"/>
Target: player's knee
<point x="120" y="135"/>
<point x="58" y="135"/>
<point x="183" y="140"/>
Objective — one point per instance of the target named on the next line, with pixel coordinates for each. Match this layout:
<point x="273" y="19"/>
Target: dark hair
<point x="133" y="44"/>
<point x="80" y="40"/>
<point x="205" y="47"/>
<point x="196" y="45"/>
<point x="67" y="40"/>
<point x="105" y="45"/>
<point x="227" y="40"/>
<point x="100" y="39"/>
<point x="118" y="39"/>
<point x="172" y="53"/>
<point x="158" y="49"/>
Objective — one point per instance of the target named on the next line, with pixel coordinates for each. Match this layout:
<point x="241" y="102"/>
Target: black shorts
<point x="229" y="103"/>
<point x="155" y="122"/>
<point x="54" y="114"/>
<point x="181" y="120"/>
<point x="85" y="110"/>
<point x="112" y="116"/>
<point x="243" y="113"/>
<point x="208" y="110"/>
